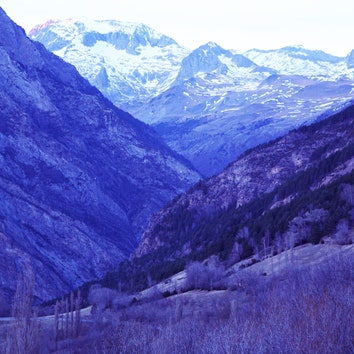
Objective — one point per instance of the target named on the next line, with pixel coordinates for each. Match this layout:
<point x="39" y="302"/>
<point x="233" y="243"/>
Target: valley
<point x="217" y="216"/>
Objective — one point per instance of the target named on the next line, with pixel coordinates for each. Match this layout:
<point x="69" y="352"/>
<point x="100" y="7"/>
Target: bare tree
<point x="4" y="304"/>
<point x="342" y="234"/>
<point x="348" y="193"/>
<point x="204" y="276"/>
<point x="77" y="313"/>
<point x="56" y="324"/>
<point x="236" y="253"/>
<point x="66" y="318"/>
<point x="23" y="335"/>
<point x="72" y="304"/>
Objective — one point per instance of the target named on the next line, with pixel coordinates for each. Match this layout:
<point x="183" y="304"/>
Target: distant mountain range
<point x="79" y="178"/>
<point x="209" y="104"/>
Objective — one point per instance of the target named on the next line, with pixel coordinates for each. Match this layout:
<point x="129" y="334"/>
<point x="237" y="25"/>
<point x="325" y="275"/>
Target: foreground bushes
<point x="305" y="311"/>
<point x="309" y="312"/>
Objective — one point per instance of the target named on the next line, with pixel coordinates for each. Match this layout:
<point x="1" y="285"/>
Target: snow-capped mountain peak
<point x="211" y="58"/>
<point x="124" y="60"/>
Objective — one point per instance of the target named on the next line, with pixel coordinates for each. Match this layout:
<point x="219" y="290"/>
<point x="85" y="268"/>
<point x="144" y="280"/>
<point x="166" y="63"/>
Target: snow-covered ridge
<point x="126" y="61"/>
<point x="78" y="24"/>
<point x="297" y="60"/>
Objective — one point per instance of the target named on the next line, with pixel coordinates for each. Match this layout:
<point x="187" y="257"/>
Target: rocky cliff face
<point x="79" y="178"/>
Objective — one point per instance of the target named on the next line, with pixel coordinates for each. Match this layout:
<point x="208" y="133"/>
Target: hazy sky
<point x="233" y="24"/>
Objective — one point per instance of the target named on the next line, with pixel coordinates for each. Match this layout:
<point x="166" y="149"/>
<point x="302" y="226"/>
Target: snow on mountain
<point x="126" y="61"/>
<point x="222" y="104"/>
<point x="214" y="64"/>
<point x="297" y="60"/>
<point x="209" y="104"/>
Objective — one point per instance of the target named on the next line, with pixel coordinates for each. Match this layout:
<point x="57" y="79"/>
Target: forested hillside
<point x="294" y="190"/>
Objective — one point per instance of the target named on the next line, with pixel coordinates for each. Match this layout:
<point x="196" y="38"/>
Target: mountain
<point x="298" y="60"/>
<point x="212" y="59"/>
<point x="127" y="61"/>
<point x="79" y="178"/>
<point x="222" y="104"/>
<point x="298" y="188"/>
<point x="209" y="104"/>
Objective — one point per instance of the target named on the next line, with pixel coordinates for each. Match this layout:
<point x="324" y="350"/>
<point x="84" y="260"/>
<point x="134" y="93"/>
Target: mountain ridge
<point x="79" y="177"/>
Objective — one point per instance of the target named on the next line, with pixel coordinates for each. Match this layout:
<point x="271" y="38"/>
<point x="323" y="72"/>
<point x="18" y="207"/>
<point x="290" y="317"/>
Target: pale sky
<point x="233" y="24"/>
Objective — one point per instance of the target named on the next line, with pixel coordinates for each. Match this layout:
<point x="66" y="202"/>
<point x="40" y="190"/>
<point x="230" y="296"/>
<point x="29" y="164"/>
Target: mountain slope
<point x="298" y="188"/>
<point x="79" y="178"/>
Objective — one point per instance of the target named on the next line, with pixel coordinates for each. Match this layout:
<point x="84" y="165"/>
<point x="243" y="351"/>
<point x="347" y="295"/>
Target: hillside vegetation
<point x="294" y="190"/>
<point x="296" y="302"/>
